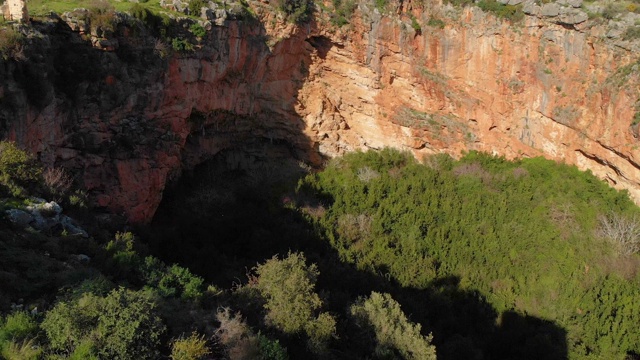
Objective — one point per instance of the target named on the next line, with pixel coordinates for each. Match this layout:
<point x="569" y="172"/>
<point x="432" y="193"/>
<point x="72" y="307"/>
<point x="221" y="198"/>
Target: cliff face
<point x="515" y="90"/>
<point x="128" y="121"/>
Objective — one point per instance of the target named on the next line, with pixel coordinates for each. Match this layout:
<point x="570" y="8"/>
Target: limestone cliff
<point x="130" y="118"/>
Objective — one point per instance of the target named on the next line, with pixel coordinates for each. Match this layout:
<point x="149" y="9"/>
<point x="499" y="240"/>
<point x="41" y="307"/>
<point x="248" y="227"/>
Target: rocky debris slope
<point x="129" y="118"/>
<point x="46" y="217"/>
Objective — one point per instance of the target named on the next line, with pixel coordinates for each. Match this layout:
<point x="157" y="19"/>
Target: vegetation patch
<point x="513" y="13"/>
<point x="464" y="220"/>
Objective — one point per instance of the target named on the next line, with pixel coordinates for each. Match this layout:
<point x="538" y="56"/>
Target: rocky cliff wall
<point x="130" y="119"/>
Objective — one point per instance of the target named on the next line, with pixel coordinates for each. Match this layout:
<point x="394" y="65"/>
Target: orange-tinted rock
<point x="133" y="121"/>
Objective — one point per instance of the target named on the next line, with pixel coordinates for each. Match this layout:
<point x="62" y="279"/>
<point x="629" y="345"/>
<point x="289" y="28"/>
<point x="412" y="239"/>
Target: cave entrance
<point x="230" y="212"/>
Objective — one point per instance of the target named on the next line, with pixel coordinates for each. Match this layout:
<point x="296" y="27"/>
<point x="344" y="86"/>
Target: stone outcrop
<point x="130" y="119"/>
<point x="45" y="216"/>
<point x="15" y="10"/>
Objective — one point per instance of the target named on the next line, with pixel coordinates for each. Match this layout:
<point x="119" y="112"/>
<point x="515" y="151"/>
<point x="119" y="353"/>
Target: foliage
<point x="18" y="170"/>
<point x="415" y="24"/>
<point x="20" y="350"/>
<point x="195" y="6"/>
<point x="296" y="11"/>
<point x="343" y="11"/>
<point x="17" y="327"/>
<point x="459" y="3"/>
<point x="631" y="33"/>
<point x="392" y="328"/>
<point x="519" y="233"/>
<point x="181" y="45"/>
<point x="381" y="5"/>
<point x="122" y="325"/>
<point x="102" y="15"/>
<point x="612" y="10"/>
<point x="435" y="22"/>
<point x="512" y="13"/>
<point x="288" y="285"/>
<point x="271" y="349"/>
<point x="197" y="30"/>
<point x="123" y="255"/>
<point x="10" y="41"/>
<point x="173" y="281"/>
<point x="193" y="347"/>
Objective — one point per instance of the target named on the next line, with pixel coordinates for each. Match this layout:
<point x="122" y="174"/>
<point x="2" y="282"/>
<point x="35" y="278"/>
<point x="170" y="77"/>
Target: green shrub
<point x="512" y="13"/>
<point x="122" y="325"/>
<point x="181" y="45"/>
<point x="381" y="5"/>
<point x="19" y="171"/>
<point x="271" y="349"/>
<point x="415" y="24"/>
<point x="173" y="281"/>
<point x="198" y="30"/>
<point x="21" y="350"/>
<point x="393" y="331"/>
<point x="297" y="11"/>
<point x="193" y="347"/>
<point x="435" y="22"/>
<point x="195" y="6"/>
<point x="343" y="11"/>
<point x="125" y="258"/>
<point x="631" y="33"/>
<point x="17" y="327"/>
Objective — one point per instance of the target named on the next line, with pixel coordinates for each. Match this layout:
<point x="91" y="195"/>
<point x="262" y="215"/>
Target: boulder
<point x="550" y="10"/>
<point x="530" y="8"/>
<point x="572" y="17"/>
<point x="19" y="217"/>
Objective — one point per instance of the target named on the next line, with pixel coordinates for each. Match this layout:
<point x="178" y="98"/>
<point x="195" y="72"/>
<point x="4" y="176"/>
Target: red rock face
<point x="530" y="89"/>
<point x="129" y="121"/>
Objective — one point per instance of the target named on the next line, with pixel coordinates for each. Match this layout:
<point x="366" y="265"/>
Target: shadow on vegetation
<point x="232" y="212"/>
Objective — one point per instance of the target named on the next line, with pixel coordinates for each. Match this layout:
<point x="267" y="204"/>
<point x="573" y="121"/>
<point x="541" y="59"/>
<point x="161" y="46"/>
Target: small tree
<point x="622" y="231"/>
<point x="393" y="331"/>
<point x="288" y="286"/>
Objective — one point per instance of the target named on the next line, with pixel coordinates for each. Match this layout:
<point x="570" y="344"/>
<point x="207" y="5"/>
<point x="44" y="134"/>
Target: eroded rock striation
<point x="129" y="117"/>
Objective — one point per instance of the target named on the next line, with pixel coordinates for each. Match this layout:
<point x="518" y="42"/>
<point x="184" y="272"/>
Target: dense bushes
<point x="525" y="234"/>
<point x="495" y="259"/>
<point x="122" y="325"/>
